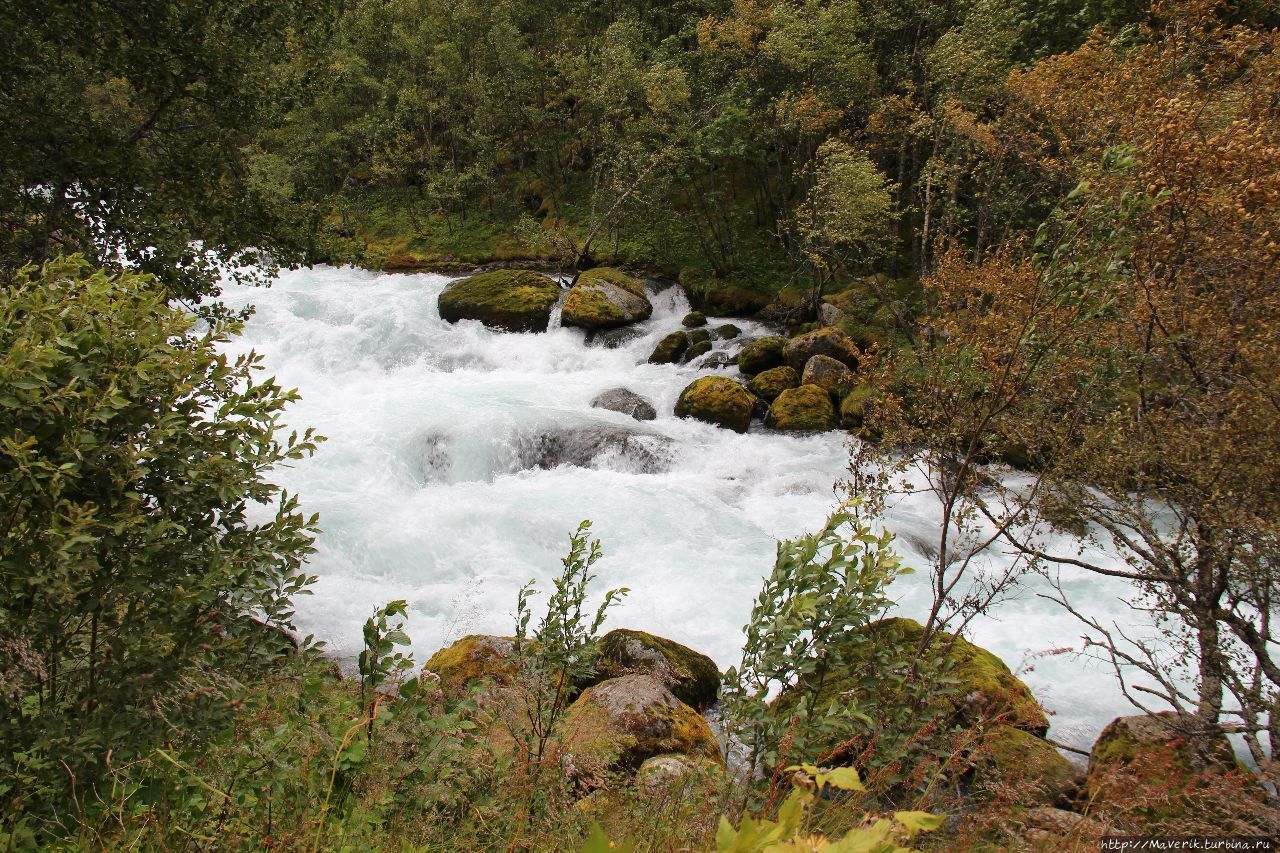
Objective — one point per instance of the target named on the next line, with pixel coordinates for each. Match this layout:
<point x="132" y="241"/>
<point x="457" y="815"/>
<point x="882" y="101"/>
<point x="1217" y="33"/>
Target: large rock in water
<point x="626" y="402"/>
<point x="670" y="349"/>
<point x="768" y="384"/>
<point x="604" y="298"/>
<point x="830" y="342"/>
<point x="693" y="677"/>
<point x="804" y="409"/>
<point x="761" y="354"/>
<point x="474" y="659"/>
<point x="717" y="400"/>
<point x="623" y="721"/>
<point x="512" y="300"/>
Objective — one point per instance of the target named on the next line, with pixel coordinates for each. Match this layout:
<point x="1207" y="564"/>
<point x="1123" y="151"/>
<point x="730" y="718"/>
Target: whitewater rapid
<point x="459" y="460"/>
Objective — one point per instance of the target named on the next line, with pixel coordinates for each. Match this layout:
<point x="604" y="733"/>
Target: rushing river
<point x="459" y="460"/>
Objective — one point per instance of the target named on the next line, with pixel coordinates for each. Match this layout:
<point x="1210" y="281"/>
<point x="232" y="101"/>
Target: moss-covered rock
<point x="717" y="400"/>
<point x="1016" y="759"/>
<point x="673" y="774"/>
<point x="696" y="349"/>
<point x="827" y="373"/>
<point x="512" y="300"/>
<point x="828" y="341"/>
<point x="473" y="659"/>
<point x="670" y="349"/>
<point x="768" y="384"/>
<point x="623" y="721"/>
<point x="731" y="301"/>
<point x="694" y="319"/>
<point x="804" y="409"/>
<point x="698" y="336"/>
<point x="727" y="332"/>
<point x="1151" y="749"/>
<point x="762" y="354"/>
<point x="604" y="298"/>
<point x="854" y="404"/>
<point x="693" y="677"/>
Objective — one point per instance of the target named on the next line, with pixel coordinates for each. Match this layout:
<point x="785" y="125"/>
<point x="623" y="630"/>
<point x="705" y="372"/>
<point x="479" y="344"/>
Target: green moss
<point x="762" y="354"/>
<point x="728" y="332"/>
<point x="694" y="319"/>
<point x="1019" y="758"/>
<point x="853" y="407"/>
<point x="693" y="677"/>
<point x="768" y="384"/>
<point x="828" y="341"/>
<point x="619" y="732"/>
<point x="804" y="409"/>
<point x="603" y="298"/>
<point x="474" y="658"/>
<point x="513" y="300"/>
<point x="670" y="349"/>
<point x="615" y="277"/>
<point x="696" y="349"/>
<point x="717" y="400"/>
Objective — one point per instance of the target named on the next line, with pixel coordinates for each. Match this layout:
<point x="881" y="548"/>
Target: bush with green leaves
<point x="138" y="528"/>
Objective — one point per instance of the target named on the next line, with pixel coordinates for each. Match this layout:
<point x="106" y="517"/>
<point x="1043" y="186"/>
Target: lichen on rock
<point x="716" y="400"/>
<point x="511" y="300"/>
<point x="806" y="408"/>
<point x="604" y="298"/>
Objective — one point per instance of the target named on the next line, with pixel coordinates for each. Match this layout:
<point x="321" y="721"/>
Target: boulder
<point x="804" y="409"/>
<point x="694" y="319"/>
<point x="761" y="354"/>
<point x="474" y="659"/>
<point x="604" y="298"/>
<point x="768" y="384"/>
<point x="614" y="338"/>
<point x="614" y="447"/>
<point x="727" y="332"/>
<point x="698" y="336"/>
<point x="829" y="314"/>
<point x="827" y="373"/>
<point x="1153" y="751"/>
<point x="1052" y="830"/>
<point x="625" y="401"/>
<point x="511" y="300"/>
<point x="623" y="721"/>
<point x="696" y="349"/>
<point x="670" y="349"/>
<point x="827" y="341"/>
<point x="1013" y="759"/>
<point x="717" y="400"/>
<point x="693" y="677"/>
<point x="732" y="301"/>
<point x="672" y="774"/>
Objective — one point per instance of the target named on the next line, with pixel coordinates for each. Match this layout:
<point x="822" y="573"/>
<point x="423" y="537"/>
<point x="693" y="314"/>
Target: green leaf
<point x="917" y="822"/>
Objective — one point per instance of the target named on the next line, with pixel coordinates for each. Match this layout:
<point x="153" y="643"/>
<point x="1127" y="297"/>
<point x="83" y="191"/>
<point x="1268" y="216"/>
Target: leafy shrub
<point x="133" y="465"/>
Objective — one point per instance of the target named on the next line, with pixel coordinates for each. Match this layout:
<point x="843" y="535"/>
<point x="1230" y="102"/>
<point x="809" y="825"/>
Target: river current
<point x="459" y="460"/>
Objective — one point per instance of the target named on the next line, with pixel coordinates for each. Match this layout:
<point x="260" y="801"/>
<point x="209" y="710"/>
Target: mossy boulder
<point x="768" y="384"/>
<point x="762" y="354"/>
<point x="1017" y="759"/>
<point x="827" y="373"/>
<point x="511" y="300"/>
<point x="604" y="298"/>
<point x="854" y="405"/>
<point x="674" y="774"/>
<point x="623" y="721"/>
<point x="828" y="341"/>
<point x="1149" y="750"/>
<point x="731" y="301"/>
<point x="670" y="349"/>
<point x="717" y="400"/>
<point x="694" y="319"/>
<point x="696" y="349"/>
<point x="698" y="336"/>
<point x="727" y="332"/>
<point x="804" y="409"/>
<point x="693" y="677"/>
<point x="474" y="659"/>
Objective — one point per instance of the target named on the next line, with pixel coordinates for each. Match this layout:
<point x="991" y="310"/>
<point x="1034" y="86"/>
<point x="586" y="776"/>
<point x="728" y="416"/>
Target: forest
<point x="1020" y="257"/>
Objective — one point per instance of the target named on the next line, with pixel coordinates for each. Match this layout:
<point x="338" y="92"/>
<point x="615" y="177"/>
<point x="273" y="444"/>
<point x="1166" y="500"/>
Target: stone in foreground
<point x="804" y="409"/>
<point x="510" y="300"/>
<point x="717" y="400"/>
<point x="604" y="298"/>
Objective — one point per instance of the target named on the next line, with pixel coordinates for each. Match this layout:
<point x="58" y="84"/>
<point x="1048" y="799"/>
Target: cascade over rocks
<point x="604" y="298"/>
<point x="717" y="400"/>
<point x="622" y="721"/>
<point x="804" y="409"/>
<point x="768" y="384"/>
<point x="693" y="677"/>
<point x="761" y="354"/>
<point x="716" y="361"/>
<point x="585" y="447"/>
<point x="625" y="401"/>
<point x="511" y="300"/>
<point x="827" y="341"/>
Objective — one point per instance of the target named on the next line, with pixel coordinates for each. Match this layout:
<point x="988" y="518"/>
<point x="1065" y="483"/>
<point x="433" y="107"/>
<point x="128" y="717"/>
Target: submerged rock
<point x="693" y="677"/>
<point x="804" y="409"/>
<point x="623" y="721"/>
<point x="761" y="354"/>
<point x="596" y="446"/>
<point x="604" y="298"/>
<point x="625" y="401"/>
<point x="614" y="338"/>
<point x="717" y="400"/>
<point x="670" y="349"/>
<point x="511" y="300"/>
<point x="829" y="341"/>
<point x="768" y="384"/>
<point x="717" y="360"/>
